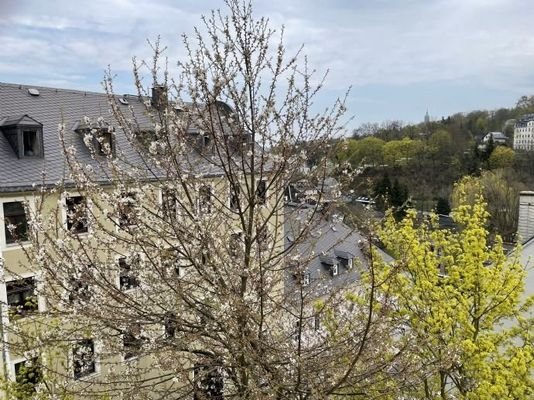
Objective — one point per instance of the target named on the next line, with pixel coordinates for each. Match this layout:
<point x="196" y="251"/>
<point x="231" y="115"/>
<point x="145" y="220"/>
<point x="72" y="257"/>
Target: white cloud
<point x="371" y="42"/>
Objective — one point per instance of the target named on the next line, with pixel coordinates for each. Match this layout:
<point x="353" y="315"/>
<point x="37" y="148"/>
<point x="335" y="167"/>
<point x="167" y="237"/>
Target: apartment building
<point x="100" y="303"/>
<point x="524" y="133"/>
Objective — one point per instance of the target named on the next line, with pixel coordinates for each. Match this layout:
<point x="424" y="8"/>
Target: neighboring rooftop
<point x="331" y="256"/>
<point x="523" y="120"/>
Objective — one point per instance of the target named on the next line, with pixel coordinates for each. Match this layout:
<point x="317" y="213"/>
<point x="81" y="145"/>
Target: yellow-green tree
<point x="501" y="157"/>
<point x="459" y="298"/>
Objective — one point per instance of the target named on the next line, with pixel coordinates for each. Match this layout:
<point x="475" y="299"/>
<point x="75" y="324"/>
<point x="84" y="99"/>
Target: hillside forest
<point x="422" y="162"/>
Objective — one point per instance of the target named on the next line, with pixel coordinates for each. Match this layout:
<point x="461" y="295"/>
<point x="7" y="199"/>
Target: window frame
<point x="261" y="192"/>
<point x="169" y="203"/>
<point x="127" y="219"/>
<point x="234" y="196"/>
<point x="102" y="137"/>
<point x="13" y="369"/>
<point x="6" y="223"/>
<point x="23" y="310"/>
<point x="135" y="342"/>
<point x="92" y="361"/>
<point x="205" y="199"/>
<point x="37" y="150"/>
<point x="83" y="219"/>
<point x="128" y="276"/>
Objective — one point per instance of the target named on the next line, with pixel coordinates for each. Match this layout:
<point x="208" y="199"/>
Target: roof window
<point x="25" y="135"/>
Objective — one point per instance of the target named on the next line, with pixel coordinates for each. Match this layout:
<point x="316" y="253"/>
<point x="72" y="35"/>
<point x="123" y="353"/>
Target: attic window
<point x="104" y="145"/>
<point x="25" y="135"/>
<point x="30" y="143"/>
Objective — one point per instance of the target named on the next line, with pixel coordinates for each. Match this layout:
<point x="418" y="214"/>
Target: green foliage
<point x="501" y="192"/>
<point x="501" y="157"/>
<point x="452" y="291"/>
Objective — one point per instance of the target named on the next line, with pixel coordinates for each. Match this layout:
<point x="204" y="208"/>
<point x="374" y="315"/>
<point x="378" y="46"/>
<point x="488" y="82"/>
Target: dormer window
<point x="97" y="135"/>
<point x="104" y="143"/>
<point x="30" y="142"/>
<point x="25" y="135"/>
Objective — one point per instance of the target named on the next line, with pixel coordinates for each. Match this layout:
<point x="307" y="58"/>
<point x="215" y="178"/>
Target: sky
<point x="400" y="57"/>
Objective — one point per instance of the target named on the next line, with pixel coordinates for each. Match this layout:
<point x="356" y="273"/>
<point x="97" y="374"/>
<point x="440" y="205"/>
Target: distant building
<point x="332" y="258"/>
<point x="524" y="133"/>
<point x="498" y="138"/>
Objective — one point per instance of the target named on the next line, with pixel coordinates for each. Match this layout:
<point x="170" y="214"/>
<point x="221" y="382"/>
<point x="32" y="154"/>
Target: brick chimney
<point x="525" y="224"/>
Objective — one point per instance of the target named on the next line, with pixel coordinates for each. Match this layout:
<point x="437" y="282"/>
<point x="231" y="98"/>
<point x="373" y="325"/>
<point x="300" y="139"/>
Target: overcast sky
<point x="401" y="57"/>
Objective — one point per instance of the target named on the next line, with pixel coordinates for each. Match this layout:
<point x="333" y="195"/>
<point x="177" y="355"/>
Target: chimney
<point x="525" y="224"/>
<point x="159" y="97"/>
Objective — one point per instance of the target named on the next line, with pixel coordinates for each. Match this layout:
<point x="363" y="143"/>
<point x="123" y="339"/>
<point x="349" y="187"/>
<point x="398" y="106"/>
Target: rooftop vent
<point x="123" y="101"/>
<point x="33" y="92"/>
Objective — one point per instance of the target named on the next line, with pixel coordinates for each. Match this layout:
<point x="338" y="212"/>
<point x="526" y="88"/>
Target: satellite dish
<point x="122" y="100"/>
<point x="33" y="92"/>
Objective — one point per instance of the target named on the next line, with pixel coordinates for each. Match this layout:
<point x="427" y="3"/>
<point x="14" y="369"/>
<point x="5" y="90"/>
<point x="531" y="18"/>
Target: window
<point x="30" y="143"/>
<point x="168" y="204"/>
<point x="204" y="252"/>
<point x="171" y="261"/>
<point x="234" y="196"/>
<point x="132" y="341"/>
<point x="261" y="192"/>
<point x="128" y="277"/>
<point x="127" y="210"/>
<point x="16" y="226"/>
<point x="170" y="324"/>
<point x="77" y="214"/>
<point x="334" y="270"/>
<point x="204" y="199"/>
<point x="104" y="142"/>
<point x="21" y="295"/>
<point x="78" y="290"/>
<point x="83" y="358"/>
<point x="27" y="375"/>
<point x="263" y="238"/>
<point x="208" y="382"/>
<point x="307" y="279"/>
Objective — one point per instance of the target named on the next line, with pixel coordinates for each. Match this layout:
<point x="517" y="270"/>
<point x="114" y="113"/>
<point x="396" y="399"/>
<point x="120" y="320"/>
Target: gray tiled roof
<point x="330" y="240"/>
<point x="51" y="108"/>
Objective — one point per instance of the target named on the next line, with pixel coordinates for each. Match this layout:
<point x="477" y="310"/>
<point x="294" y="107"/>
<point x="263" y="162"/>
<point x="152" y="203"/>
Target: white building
<point x="524" y="133"/>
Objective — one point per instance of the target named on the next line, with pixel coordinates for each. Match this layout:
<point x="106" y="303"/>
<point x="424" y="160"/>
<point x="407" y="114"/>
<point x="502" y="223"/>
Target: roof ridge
<point x="27" y="86"/>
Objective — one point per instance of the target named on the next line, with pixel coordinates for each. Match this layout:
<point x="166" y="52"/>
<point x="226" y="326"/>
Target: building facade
<point x="128" y="243"/>
<point x="524" y="133"/>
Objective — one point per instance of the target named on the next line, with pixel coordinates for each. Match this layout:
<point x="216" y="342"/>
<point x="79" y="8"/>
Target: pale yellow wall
<point x="16" y="265"/>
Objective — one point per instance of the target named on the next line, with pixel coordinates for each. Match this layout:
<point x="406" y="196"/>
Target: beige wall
<point x="16" y="265"/>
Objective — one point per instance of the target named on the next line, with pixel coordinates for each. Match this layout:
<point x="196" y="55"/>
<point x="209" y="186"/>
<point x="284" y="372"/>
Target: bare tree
<point x="172" y="266"/>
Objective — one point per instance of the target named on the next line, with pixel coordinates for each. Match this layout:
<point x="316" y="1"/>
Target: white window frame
<point x="176" y="205"/>
<point x="11" y="368"/>
<point x="96" y="351"/>
<point x="136" y="205"/>
<point x="64" y="209"/>
<point x="200" y="210"/>
<point x="123" y="352"/>
<point x="306" y="280"/>
<point x="335" y="269"/>
<point x="231" y="193"/>
<point x="11" y="246"/>
<point x="118" y="280"/>
<point x="41" y="301"/>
